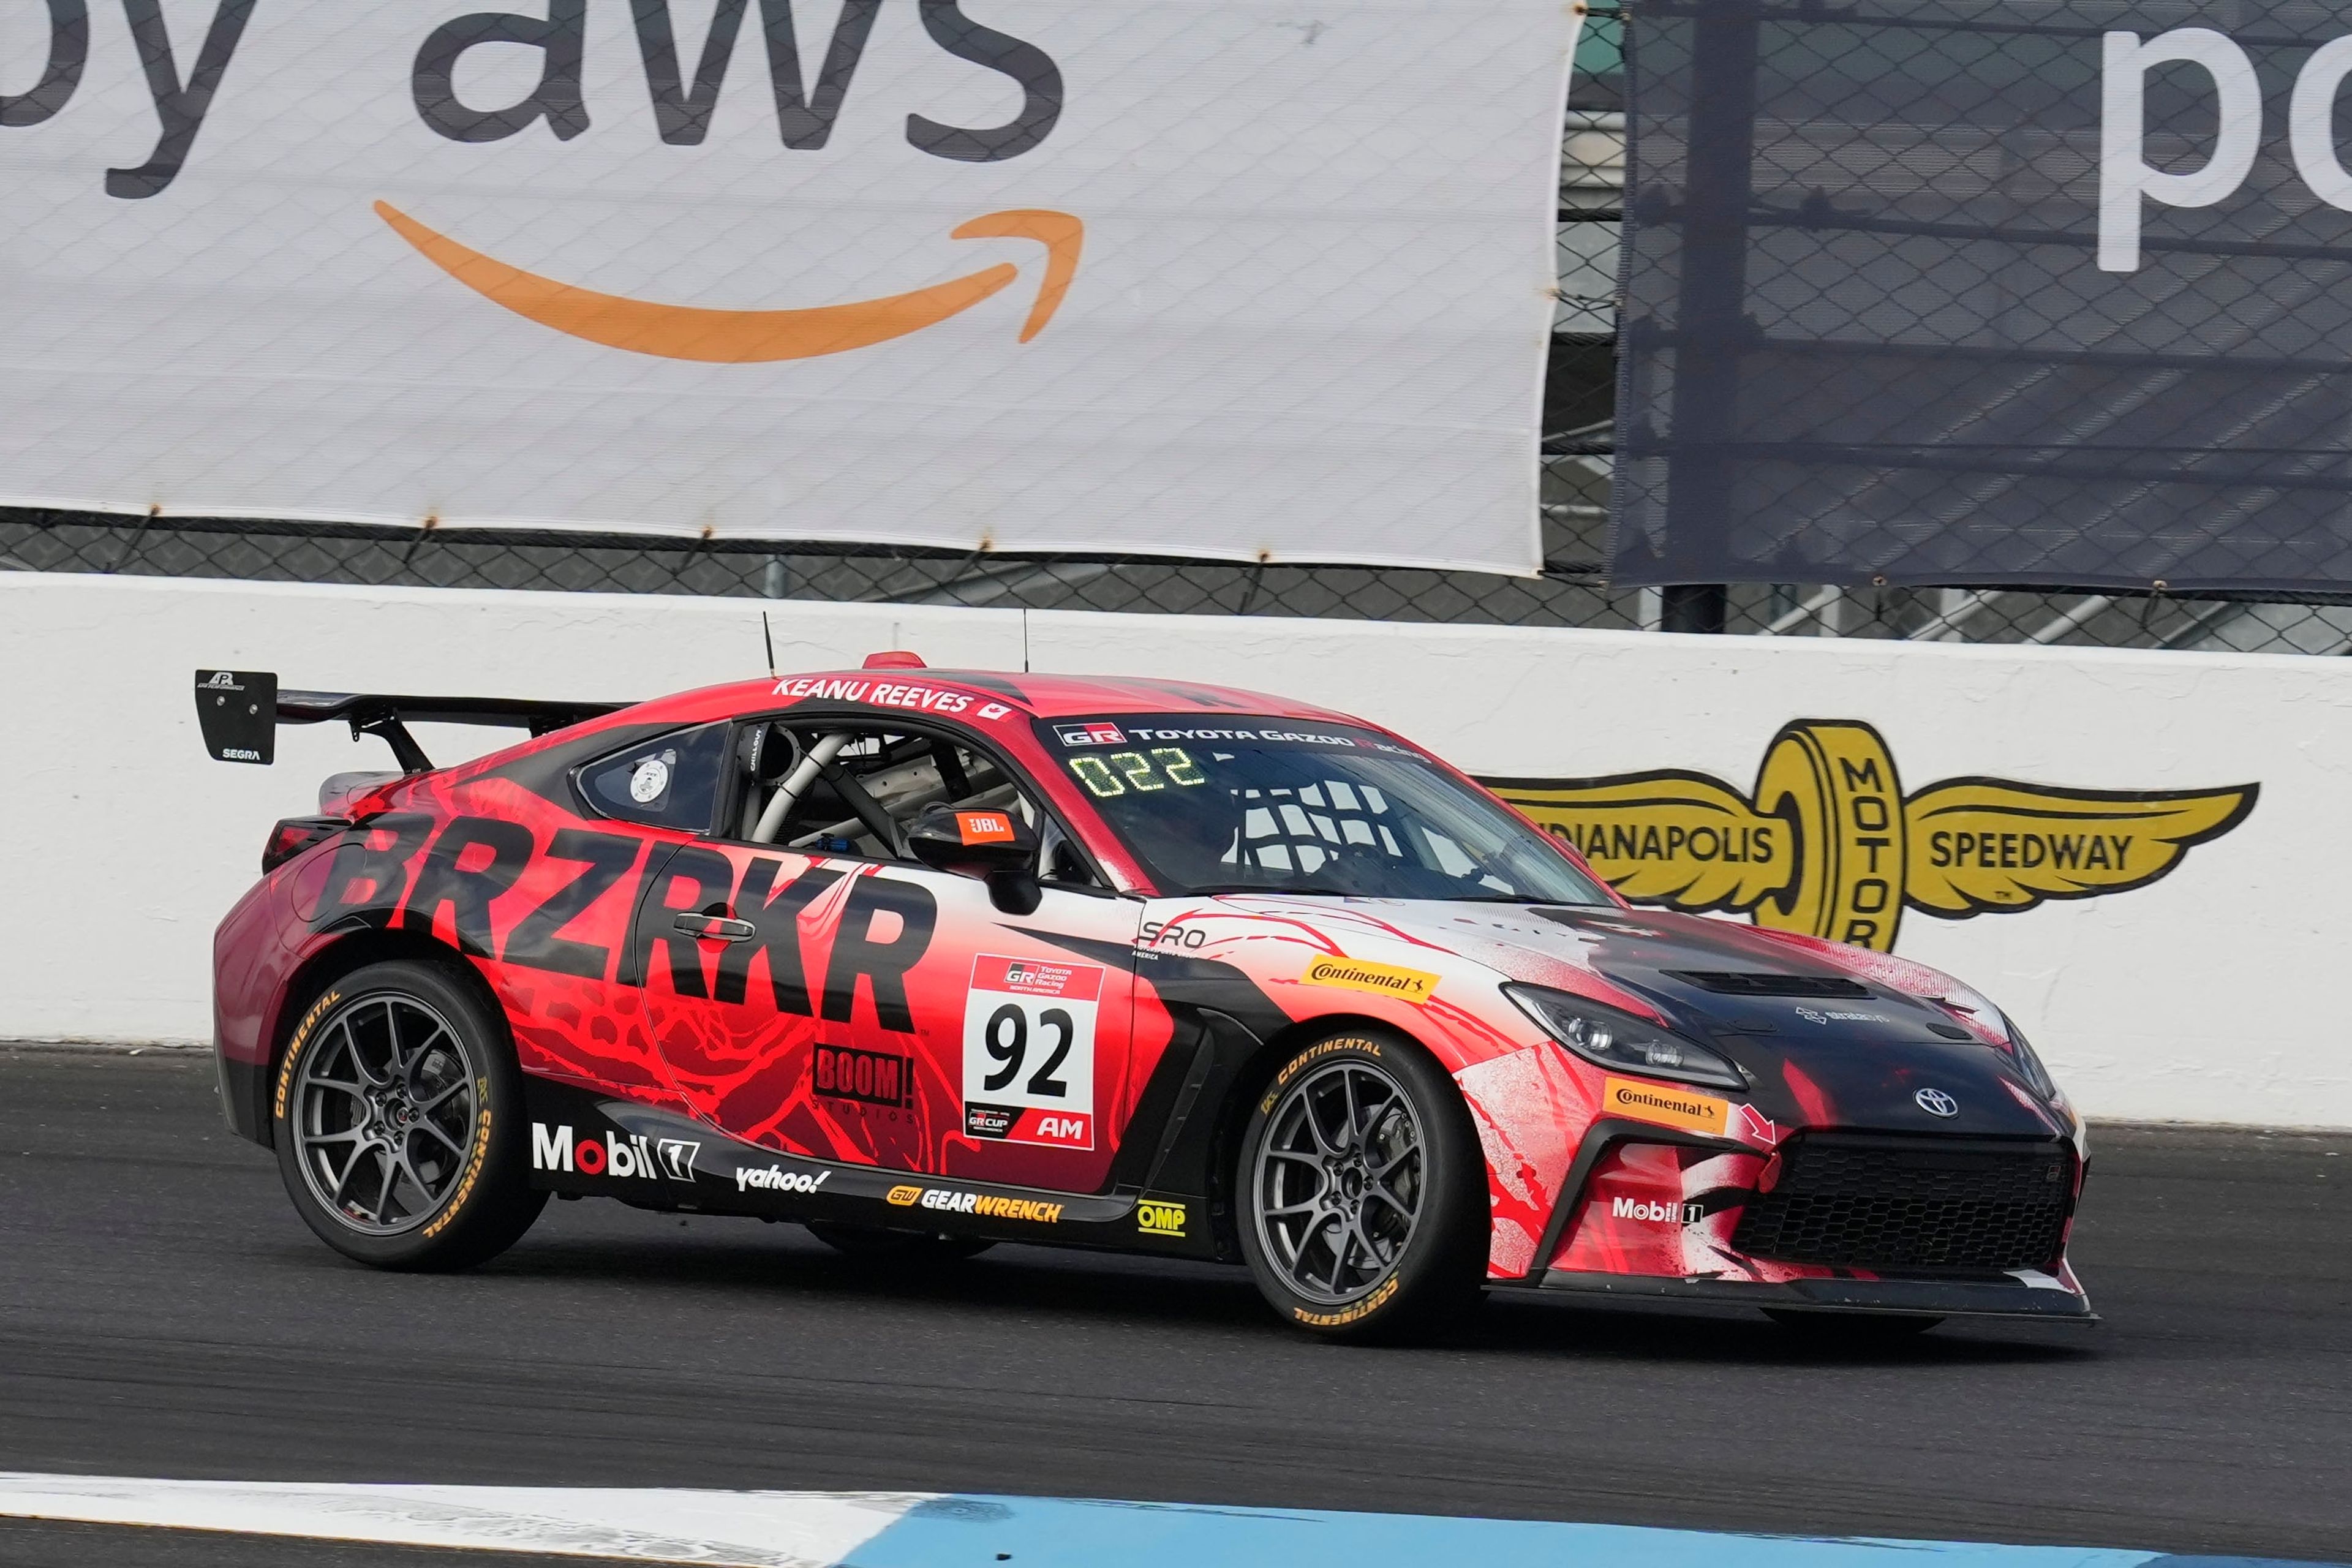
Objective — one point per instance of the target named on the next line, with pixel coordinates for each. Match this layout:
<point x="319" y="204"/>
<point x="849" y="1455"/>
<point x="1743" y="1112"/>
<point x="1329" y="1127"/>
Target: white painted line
<point x="724" y="1530"/>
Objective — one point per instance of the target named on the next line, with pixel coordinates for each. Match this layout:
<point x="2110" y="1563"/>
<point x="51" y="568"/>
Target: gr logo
<point x="1826" y="843"/>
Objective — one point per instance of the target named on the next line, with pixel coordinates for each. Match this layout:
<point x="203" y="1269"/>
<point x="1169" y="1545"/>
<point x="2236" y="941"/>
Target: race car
<point x="930" y="960"/>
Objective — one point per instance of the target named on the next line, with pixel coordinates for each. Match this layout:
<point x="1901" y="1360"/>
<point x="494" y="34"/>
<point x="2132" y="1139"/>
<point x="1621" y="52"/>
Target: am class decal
<point x="1827" y="843"/>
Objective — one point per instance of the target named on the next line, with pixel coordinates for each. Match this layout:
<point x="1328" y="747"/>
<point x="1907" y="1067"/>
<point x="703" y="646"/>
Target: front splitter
<point x="1941" y="1297"/>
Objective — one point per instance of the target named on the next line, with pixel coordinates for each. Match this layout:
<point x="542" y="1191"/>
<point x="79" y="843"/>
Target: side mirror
<point x="995" y="847"/>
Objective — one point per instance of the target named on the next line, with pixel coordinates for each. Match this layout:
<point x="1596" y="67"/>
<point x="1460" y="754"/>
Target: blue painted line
<point x="1051" y="1532"/>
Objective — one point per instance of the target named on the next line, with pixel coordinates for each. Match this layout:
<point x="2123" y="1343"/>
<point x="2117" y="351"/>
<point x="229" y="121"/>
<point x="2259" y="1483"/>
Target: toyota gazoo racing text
<point x="927" y="961"/>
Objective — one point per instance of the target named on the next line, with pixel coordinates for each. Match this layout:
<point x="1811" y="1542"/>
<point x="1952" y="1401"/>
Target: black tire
<point x="1852" y="1327"/>
<point x="1363" y="1218"/>
<point x="398" y="1117"/>
<point x="895" y="1246"/>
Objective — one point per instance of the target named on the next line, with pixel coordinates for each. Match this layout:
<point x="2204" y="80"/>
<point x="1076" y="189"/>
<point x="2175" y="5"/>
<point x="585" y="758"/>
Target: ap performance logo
<point x="1827" y="843"/>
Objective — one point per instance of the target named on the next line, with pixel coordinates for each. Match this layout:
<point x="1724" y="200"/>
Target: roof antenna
<point x="769" y="638"/>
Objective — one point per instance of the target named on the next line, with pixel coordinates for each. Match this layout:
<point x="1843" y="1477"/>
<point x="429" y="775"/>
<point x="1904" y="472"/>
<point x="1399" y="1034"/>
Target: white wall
<point x="2212" y="994"/>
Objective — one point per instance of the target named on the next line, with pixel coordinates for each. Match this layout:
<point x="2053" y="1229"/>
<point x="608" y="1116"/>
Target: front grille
<point x="1732" y="982"/>
<point x="1897" y="1203"/>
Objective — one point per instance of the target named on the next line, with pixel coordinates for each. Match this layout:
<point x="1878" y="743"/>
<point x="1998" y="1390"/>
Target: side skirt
<point x="587" y="1144"/>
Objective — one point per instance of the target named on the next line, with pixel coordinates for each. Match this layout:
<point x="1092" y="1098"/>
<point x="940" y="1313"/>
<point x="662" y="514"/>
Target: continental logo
<point x="947" y="1200"/>
<point x="1827" y="843"/>
<point x="1160" y="1218"/>
<point x="1297" y="1064"/>
<point x="760" y="337"/>
<point x="1665" y="1107"/>
<point x="1380" y="979"/>
<point x="457" y="1207"/>
<point x="296" y="1047"/>
<point x="1353" y="1312"/>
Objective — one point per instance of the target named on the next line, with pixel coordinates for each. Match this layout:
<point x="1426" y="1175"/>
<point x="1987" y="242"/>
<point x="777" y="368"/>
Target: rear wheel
<point x="398" y="1119"/>
<point x="1362" y="1192"/>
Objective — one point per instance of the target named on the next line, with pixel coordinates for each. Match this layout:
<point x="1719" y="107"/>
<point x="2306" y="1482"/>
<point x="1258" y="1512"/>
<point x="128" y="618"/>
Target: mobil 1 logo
<point x="1029" y="1051"/>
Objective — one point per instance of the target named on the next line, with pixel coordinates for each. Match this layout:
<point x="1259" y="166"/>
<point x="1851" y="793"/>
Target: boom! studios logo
<point x="683" y="113"/>
<point x="1827" y="843"/>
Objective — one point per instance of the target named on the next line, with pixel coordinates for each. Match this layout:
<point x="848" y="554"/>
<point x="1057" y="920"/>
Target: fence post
<point x="1711" y="325"/>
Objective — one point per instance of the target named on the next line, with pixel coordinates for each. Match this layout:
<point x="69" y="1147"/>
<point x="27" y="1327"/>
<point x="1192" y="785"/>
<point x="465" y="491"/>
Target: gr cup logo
<point x="1828" y="843"/>
<point x="629" y="1157"/>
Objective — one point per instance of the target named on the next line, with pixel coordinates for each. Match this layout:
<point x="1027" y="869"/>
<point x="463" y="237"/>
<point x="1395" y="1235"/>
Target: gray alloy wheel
<point x="1337" y="1187"/>
<point x="385" y="1114"/>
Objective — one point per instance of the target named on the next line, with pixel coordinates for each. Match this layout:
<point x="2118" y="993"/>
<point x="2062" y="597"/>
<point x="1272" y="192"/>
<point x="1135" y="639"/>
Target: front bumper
<point x="2039" y="1297"/>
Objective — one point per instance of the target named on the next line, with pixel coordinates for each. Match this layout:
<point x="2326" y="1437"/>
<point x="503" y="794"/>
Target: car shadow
<point x="1190" y="1296"/>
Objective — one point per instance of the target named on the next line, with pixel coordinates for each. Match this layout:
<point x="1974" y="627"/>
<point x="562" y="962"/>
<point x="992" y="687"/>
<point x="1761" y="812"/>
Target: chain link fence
<point x="1577" y="462"/>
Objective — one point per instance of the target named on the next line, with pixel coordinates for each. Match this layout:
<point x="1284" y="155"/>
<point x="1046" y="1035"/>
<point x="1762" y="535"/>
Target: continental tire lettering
<point x="442" y="1220"/>
<point x="294" y="1048"/>
<point x="1291" y="1068"/>
<point x="1355" y="1311"/>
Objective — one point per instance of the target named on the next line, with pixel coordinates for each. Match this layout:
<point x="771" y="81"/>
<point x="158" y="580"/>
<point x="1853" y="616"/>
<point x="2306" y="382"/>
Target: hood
<point x="1828" y="1035"/>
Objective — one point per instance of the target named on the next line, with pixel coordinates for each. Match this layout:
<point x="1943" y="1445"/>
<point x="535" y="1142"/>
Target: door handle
<point x="715" y="927"/>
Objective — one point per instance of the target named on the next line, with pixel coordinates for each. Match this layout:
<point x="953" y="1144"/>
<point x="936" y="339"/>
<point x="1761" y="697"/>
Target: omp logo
<point x="1380" y="979"/>
<point x="1160" y="1218"/>
<point x="1827" y="843"/>
<point x="757" y="337"/>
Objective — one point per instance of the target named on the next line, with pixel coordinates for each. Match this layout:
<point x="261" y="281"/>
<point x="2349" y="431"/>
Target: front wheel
<point x="1362" y="1192"/>
<point x="398" y="1119"/>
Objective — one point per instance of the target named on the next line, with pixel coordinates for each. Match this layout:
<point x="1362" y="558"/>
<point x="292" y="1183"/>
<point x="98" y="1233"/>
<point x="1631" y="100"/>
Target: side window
<point x="669" y="781"/>
<point x="847" y="790"/>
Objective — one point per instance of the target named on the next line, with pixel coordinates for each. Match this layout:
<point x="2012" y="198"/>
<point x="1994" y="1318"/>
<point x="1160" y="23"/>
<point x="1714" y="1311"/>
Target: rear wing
<point x="239" y="713"/>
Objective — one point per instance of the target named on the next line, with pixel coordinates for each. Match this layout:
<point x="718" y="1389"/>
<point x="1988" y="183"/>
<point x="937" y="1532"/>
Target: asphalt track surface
<point x="163" y="1313"/>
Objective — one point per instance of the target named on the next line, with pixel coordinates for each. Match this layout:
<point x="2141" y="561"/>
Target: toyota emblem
<point x="1936" y="1102"/>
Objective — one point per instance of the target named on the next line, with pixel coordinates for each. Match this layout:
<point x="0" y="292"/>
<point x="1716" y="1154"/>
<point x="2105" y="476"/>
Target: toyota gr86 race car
<point x="929" y="960"/>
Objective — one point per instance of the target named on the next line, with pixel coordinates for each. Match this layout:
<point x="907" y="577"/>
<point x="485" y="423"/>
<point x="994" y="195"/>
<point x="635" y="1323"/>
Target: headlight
<point x="2031" y="1065"/>
<point x="1622" y="1043"/>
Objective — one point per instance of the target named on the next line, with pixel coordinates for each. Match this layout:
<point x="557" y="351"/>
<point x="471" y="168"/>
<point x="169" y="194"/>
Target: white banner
<point x="1234" y="278"/>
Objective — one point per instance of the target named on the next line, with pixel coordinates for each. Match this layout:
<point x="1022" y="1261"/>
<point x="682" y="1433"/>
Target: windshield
<point x="1279" y="806"/>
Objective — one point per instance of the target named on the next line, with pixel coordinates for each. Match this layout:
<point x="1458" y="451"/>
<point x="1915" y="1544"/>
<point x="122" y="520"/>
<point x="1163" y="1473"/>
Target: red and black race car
<point x="928" y="960"/>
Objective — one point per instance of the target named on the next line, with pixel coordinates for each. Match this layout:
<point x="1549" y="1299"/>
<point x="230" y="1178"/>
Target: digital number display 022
<point x="1116" y="773"/>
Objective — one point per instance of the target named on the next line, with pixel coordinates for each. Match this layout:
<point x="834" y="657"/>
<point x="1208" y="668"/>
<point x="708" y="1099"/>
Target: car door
<point x="821" y="994"/>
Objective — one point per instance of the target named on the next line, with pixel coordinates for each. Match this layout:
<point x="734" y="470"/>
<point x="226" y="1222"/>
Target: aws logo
<point x="1827" y="843"/>
<point x="557" y="36"/>
<point x="805" y="120"/>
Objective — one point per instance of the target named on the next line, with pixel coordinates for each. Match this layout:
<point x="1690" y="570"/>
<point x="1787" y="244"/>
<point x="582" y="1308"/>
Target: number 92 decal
<point x="1029" y="1051"/>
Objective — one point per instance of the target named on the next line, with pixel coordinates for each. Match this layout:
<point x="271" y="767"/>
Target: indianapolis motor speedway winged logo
<point x="1827" y="843"/>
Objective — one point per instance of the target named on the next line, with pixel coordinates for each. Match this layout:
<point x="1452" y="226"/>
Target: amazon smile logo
<point x="757" y="337"/>
<point x="1827" y="843"/>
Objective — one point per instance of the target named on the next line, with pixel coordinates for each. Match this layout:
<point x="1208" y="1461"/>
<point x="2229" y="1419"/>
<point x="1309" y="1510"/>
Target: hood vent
<point x="1730" y="984"/>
